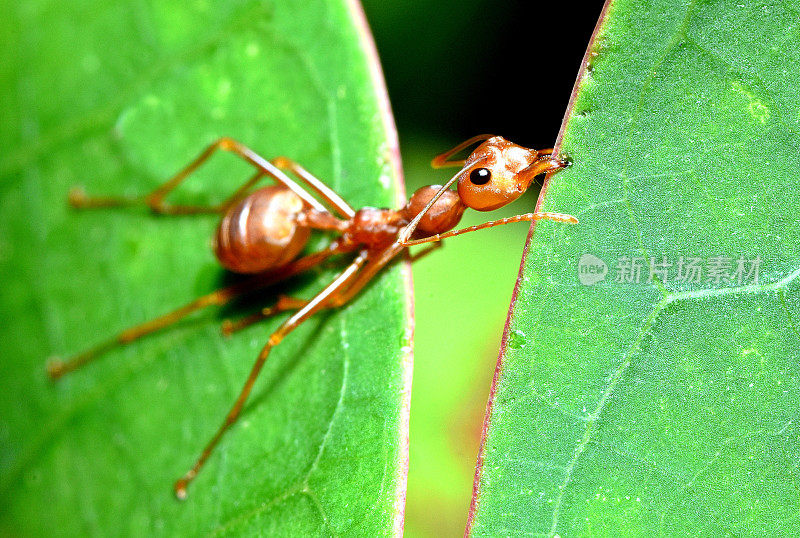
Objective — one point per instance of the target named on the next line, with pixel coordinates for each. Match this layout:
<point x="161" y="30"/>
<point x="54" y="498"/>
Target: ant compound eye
<point x="480" y="176"/>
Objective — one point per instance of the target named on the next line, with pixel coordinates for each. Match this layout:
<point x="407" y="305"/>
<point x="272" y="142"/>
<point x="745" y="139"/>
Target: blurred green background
<point x="453" y="70"/>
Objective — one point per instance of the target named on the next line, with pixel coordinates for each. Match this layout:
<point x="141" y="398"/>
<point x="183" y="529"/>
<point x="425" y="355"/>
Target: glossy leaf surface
<point x="117" y="97"/>
<point x="648" y="383"/>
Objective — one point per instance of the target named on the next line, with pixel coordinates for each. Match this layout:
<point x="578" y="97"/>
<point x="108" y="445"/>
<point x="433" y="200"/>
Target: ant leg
<point x="260" y="163"/>
<point x="80" y="200"/>
<point x="442" y="160"/>
<point x="56" y="368"/>
<point x="286" y="303"/>
<point x="155" y="199"/>
<point x="312" y="307"/>
<point x="283" y="304"/>
<point x="372" y="267"/>
<point x="327" y="194"/>
<point x="557" y="217"/>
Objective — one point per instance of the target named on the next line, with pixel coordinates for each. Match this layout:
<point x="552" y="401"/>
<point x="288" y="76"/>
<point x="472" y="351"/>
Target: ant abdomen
<point x="261" y="231"/>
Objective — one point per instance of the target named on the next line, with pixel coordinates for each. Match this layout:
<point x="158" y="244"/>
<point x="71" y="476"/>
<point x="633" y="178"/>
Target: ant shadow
<point x="252" y="303"/>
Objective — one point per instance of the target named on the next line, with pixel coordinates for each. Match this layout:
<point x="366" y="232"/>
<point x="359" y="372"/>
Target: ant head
<point x="498" y="172"/>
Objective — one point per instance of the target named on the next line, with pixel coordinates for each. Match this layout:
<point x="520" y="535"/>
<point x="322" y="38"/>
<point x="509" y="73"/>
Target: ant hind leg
<point x="57" y="367"/>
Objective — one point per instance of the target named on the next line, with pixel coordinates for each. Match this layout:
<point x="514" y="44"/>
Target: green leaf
<point x="639" y="406"/>
<point x="117" y="97"/>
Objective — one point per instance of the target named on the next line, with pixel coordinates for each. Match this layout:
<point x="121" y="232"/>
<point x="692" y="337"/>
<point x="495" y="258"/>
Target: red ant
<point x="263" y="232"/>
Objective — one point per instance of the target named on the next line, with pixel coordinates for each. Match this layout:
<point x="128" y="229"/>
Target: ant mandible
<point x="263" y="232"/>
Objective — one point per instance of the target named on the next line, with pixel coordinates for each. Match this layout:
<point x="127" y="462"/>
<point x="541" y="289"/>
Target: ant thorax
<point x="375" y="228"/>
